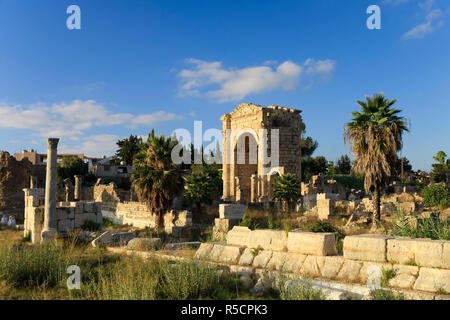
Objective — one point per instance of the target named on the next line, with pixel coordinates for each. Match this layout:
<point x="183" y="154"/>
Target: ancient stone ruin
<point x="14" y="177"/>
<point x="248" y="133"/>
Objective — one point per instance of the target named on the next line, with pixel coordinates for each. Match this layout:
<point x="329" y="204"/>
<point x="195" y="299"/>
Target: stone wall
<point x="69" y="215"/>
<point x="416" y="264"/>
<point x="138" y="215"/>
<point x="14" y="177"/>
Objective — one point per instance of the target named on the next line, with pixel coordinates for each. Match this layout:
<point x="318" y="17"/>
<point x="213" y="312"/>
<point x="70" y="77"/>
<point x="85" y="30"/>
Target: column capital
<point x="52" y="143"/>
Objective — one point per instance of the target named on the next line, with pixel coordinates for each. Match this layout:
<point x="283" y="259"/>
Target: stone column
<point x="33" y="182"/>
<point x="254" y="188"/>
<point x="77" y="192"/>
<point x="49" y="229"/>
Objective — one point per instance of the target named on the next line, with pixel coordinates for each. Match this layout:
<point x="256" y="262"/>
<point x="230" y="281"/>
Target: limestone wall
<point x="417" y="264"/>
<point x="69" y="215"/>
<point x="138" y="215"/>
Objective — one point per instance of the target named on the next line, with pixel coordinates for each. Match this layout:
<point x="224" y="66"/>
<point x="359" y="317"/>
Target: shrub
<point x="434" y="194"/>
<point x="351" y="182"/>
<point x="433" y="227"/>
<point x="301" y="290"/>
<point x="386" y="275"/>
<point x="383" y="294"/>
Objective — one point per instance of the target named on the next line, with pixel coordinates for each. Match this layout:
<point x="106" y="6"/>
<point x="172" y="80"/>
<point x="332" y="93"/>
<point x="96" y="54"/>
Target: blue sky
<point x="137" y="65"/>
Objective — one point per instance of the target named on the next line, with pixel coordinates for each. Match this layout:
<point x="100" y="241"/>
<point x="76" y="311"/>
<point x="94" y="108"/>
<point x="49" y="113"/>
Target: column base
<point x="48" y="235"/>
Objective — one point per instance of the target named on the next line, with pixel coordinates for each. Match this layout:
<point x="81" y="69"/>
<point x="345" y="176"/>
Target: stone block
<point x="433" y="280"/>
<point x="231" y="211"/>
<point x="366" y="247"/>
<point x="113" y="238"/>
<point x="332" y="266"/>
<point x="231" y="254"/>
<point x="403" y="280"/>
<point x="262" y="259"/>
<point x="401" y="250"/>
<point x="294" y="262"/>
<point x="238" y="236"/>
<point x="204" y="250"/>
<point x="247" y="257"/>
<point x="144" y="244"/>
<point x="312" y="265"/>
<point x="216" y="251"/>
<point x="366" y="271"/>
<point x="65" y="213"/>
<point x="277" y="261"/>
<point x="350" y="271"/>
<point x="65" y="225"/>
<point x="318" y="244"/>
<point x="428" y="253"/>
<point x="268" y="240"/>
<point x="446" y="255"/>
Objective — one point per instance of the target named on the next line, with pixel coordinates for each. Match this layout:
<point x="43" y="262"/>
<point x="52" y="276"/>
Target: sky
<point x="136" y="65"/>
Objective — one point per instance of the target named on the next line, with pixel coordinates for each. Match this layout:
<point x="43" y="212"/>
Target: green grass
<point x="39" y="272"/>
<point x="386" y="276"/>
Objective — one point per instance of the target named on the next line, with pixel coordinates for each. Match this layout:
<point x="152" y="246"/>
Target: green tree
<point x="69" y="167"/>
<point x="375" y="135"/>
<point x="313" y="166"/>
<point x="344" y="165"/>
<point x="156" y="178"/>
<point x="199" y="189"/>
<point x="331" y="169"/>
<point x="441" y="169"/>
<point x="287" y="188"/>
<point x="129" y="148"/>
<point x="402" y="167"/>
<point x="308" y="145"/>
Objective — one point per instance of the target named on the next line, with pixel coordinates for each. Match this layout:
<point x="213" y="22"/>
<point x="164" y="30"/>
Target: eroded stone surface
<point x="318" y="244"/>
<point x="366" y="247"/>
<point x="433" y="280"/>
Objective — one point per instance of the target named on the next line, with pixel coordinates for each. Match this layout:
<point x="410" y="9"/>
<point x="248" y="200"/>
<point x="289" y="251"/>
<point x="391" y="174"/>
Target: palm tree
<point x="287" y="189"/>
<point x="375" y="137"/>
<point x="156" y="178"/>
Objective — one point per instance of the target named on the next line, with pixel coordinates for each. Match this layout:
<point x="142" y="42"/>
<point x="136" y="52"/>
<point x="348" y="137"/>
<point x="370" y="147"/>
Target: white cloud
<point x="425" y="28"/>
<point x="71" y="122"/>
<point x="73" y="119"/>
<point x="235" y="84"/>
<point x="94" y="146"/>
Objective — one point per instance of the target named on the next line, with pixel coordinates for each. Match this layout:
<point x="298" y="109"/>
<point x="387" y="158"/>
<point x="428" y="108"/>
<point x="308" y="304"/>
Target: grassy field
<point x="39" y="272"/>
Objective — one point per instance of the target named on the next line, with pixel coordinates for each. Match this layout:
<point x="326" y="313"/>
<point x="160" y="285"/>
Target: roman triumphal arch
<point x="259" y="143"/>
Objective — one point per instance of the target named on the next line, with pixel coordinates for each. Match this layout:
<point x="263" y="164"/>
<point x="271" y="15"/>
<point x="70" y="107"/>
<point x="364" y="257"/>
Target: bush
<point x="383" y="294"/>
<point x="90" y="226"/>
<point x="301" y="290"/>
<point x="351" y="182"/>
<point x="434" y="194"/>
<point x="432" y="227"/>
